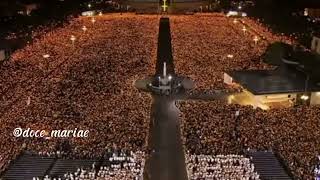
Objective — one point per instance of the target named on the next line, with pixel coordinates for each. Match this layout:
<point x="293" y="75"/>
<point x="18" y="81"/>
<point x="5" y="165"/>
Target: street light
<point x="170" y="78"/>
<point x="256" y="39"/>
<point x="89" y="5"/>
<point x="84" y="28"/>
<point x="159" y="79"/>
<point x="244" y="29"/>
<point x="304" y="97"/>
<point x="230" y="56"/>
<point x="73" y="38"/>
<point x="93" y="20"/>
<point x="46" y="56"/>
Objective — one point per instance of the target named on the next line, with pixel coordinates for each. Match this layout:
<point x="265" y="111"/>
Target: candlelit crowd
<point x="206" y="46"/>
<point x="85" y="82"/>
<point x="82" y="74"/>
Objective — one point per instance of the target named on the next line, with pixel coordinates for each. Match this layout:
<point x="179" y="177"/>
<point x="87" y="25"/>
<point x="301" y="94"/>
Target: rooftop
<point x="261" y="82"/>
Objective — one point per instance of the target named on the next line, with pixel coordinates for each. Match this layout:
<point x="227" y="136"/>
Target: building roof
<point x="261" y="82"/>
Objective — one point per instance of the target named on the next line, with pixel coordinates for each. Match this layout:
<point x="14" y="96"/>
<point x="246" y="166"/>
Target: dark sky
<point x="315" y="3"/>
<point x="291" y="3"/>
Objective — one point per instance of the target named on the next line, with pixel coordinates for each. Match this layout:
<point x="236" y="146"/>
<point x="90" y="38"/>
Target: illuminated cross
<point x="164" y="6"/>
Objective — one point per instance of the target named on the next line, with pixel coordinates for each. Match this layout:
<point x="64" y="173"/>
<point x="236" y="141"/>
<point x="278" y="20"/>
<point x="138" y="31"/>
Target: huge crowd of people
<point x="218" y="167"/>
<point x="214" y="128"/>
<point x="208" y="45"/>
<point x="81" y="76"/>
<point x="57" y="83"/>
<point x="116" y="165"/>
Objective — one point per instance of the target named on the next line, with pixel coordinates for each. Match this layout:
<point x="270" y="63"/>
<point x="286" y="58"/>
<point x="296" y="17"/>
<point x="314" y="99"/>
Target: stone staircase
<point x="28" y="166"/>
<point x="268" y="166"/>
<point x="63" y="166"/>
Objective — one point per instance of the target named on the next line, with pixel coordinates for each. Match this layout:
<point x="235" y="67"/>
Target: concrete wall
<point x="315" y="13"/>
<point x="315" y="44"/>
<point x="277" y="98"/>
<point x="2" y="55"/>
<point x="315" y="98"/>
<point x="265" y="101"/>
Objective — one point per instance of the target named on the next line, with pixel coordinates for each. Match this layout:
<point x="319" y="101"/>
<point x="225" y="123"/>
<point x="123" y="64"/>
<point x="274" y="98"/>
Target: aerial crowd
<point x="229" y="166"/>
<point x="116" y="165"/>
<point x="81" y="76"/>
<point x="205" y="47"/>
<point x="208" y="45"/>
<point x="213" y="128"/>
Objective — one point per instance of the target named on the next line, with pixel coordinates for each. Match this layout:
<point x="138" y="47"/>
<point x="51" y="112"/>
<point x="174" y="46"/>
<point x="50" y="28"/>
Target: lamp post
<point x="73" y="38"/>
<point x="244" y="29"/>
<point x="93" y="20"/>
<point x="159" y="79"/>
<point x="255" y="39"/>
<point x="230" y="56"/>
<point x="46" y="56"/>
<point x="305" y="96"/>
<point x="170" y="78"/>
<point x="84" y="28"/>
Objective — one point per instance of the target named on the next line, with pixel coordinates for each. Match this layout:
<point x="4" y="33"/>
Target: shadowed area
<point x="164" y="53"/>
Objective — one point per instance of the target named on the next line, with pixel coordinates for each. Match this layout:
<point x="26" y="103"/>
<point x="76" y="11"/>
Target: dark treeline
<point x="48" y="11"/>
<point x="285" y="17"/>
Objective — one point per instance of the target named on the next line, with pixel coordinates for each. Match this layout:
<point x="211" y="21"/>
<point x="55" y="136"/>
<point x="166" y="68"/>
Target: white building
<point x="315" y="44"/>
<point x="271" y="89"/>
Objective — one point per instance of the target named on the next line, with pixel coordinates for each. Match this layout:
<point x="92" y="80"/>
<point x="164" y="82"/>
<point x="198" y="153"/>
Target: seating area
<point x="220" y="167"/>
<point x="114" y="165"/>
<point x="62" y="167"/>
<point x="122" y="166"/>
